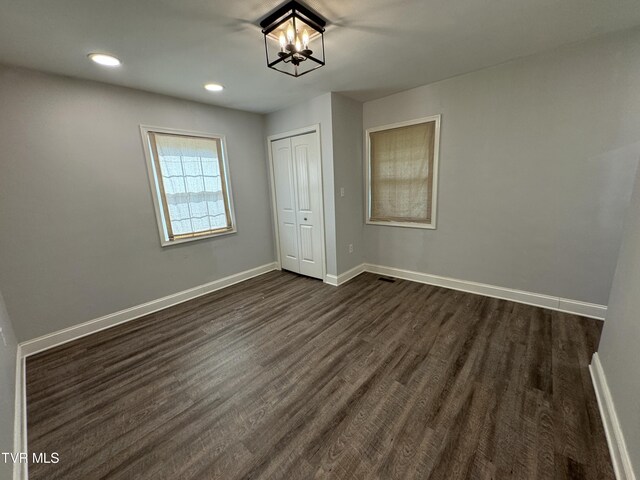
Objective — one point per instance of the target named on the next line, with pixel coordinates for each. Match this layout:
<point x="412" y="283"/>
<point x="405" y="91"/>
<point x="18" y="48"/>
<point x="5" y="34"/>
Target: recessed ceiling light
<point x="104" y="59"/>
<point x="214" y="87"/>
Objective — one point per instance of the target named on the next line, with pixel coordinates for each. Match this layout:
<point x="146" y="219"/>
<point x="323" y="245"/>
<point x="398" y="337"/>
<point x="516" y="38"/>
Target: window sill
<point x="423" y="226"/>
<point x="168" y="243"/>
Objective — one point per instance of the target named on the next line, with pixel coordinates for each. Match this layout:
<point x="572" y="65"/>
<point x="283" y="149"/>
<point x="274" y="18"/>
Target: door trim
<point x="274" y="207"/>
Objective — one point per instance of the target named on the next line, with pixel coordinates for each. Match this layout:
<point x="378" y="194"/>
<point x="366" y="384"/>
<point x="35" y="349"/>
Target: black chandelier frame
<point x="294" y="12"/>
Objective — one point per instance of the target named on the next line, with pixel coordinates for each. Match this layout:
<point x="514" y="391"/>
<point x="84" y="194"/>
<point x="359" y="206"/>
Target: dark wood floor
<point x="284" y="377"/>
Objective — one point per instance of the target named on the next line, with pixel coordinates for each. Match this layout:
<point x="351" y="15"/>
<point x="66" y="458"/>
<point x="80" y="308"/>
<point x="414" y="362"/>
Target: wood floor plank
<point x="284" y="377"/>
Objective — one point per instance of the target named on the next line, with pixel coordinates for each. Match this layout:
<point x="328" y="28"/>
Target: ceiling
<point x="373" y="47"/>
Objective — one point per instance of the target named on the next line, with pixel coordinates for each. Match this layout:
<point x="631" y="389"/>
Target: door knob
<point x="305" y="219"/>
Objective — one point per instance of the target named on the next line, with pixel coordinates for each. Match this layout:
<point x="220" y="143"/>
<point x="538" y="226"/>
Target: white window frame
<point x="434" y="190"/>
<point x="155" y="187"/>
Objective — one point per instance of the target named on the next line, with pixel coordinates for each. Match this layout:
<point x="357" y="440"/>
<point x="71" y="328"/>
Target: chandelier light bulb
<point x="305" y="38"/>
<point x="282" y="40"/>
<point x="298" y="48"/>
<point x="290" y="33"/>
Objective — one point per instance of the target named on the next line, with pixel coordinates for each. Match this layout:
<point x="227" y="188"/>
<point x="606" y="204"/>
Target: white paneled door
<point x="298" y="188"/>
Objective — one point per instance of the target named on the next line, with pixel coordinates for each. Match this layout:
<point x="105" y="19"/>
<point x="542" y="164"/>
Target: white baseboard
<point x="54" y="339"/>
<point x="331" y="280"/>
<point x="92" y="326"/>
<point x="20" y="417"/>
<point x="615" y="439"/>
<point x="584" y="309"/>
<point x="344" y="277"/>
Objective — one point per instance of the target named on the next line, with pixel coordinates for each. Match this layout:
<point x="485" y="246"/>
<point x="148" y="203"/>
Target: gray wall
<point x="346" y="115"/>
<point x="620" y="339"/>
<point x="536" y="170"/>
<point x="315" y="111"/>
<point x="8" y="348"/>
<point x="79" y="231"/>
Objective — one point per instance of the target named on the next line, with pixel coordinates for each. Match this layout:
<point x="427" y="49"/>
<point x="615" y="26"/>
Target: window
<point x="189" y="178"/>
<point x="402" y="170"/>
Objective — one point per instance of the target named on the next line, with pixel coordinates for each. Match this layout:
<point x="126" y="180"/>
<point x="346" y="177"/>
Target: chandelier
<point x="294" y="39"/>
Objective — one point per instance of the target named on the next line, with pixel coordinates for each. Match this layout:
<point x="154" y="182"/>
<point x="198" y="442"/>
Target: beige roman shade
<point x="401" y="169"/>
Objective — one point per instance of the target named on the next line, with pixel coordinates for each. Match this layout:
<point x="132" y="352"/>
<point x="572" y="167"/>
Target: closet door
<point x="298" y="189"/>
<point x="306" y="159"/>
<point x="284" y="180"/>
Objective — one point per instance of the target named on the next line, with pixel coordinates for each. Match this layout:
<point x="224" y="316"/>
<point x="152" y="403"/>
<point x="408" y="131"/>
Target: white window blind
<point x="192" y="185"/>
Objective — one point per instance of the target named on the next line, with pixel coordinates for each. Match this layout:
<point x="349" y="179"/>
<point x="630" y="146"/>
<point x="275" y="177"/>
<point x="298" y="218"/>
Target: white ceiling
<point x="373" y="47"/>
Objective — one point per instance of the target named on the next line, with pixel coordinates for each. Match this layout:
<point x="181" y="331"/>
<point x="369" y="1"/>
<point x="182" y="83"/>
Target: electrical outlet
<point x="351" y="248"/>
<point x="4" y="340"/>
<point x="342" y="191"/>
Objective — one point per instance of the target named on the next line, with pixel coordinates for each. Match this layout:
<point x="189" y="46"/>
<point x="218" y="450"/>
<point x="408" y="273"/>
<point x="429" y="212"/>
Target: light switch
<point x="342" y="191"/>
